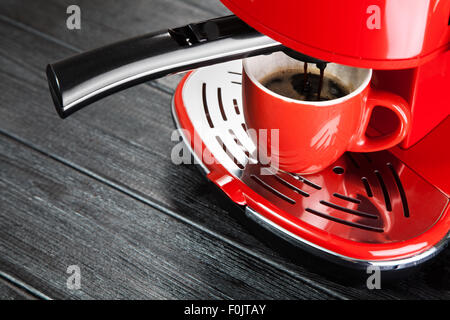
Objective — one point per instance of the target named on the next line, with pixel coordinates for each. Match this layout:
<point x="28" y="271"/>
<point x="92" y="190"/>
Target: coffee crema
<point x="304" y="86"/>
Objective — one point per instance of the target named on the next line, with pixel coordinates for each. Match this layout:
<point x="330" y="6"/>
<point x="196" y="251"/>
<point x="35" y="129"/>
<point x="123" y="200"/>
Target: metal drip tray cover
<point x="372" y="200"/>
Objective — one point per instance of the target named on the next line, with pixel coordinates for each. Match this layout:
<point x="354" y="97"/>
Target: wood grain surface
<point x="99" y="190"/>
<point x="10" y="291"/>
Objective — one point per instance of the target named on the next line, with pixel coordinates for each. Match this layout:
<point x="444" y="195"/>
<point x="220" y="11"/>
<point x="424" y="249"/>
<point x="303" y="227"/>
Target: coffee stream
<point x="322" y="71"/>
<point x="305" y="86"/>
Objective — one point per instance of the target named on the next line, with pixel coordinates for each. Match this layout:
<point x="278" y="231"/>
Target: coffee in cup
<point x="294" y="84"/>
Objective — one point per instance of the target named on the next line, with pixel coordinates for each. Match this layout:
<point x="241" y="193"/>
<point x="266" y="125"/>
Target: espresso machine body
<point x="388" y="209"/>
<point x="408" y="40"/>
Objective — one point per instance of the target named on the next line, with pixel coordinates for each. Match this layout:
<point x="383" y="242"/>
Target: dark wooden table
<point x="99" y="190"/>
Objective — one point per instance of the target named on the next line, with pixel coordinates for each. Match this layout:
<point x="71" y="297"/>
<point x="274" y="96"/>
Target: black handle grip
<point x="82" y="79"/>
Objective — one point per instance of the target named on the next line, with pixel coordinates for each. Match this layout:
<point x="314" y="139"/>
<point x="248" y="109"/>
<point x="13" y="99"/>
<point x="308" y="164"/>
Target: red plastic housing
<point x="405" y="41"/>
<point x="377" y="34"/>
<point x="425" y="88"/>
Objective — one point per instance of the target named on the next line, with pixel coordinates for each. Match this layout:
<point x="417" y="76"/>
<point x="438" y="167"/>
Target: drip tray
<point x="365" y="207"/>
<point x="361" y="197"/>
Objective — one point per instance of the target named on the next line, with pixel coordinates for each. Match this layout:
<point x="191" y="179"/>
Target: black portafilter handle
<point x="87" y="77"/>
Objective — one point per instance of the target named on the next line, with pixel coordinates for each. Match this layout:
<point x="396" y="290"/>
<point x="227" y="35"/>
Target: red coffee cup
<point x="314" y="134"/>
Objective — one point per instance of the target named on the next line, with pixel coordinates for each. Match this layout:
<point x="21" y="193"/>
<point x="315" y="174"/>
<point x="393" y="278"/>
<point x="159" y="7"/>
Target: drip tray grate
<point x="361" y="197"/>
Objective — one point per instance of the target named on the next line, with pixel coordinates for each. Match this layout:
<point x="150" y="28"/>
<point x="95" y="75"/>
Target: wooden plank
<point x="106" y="23"/>
<point x="52" y="216"/>
<point x="9" y="291"/>
<point x="132" y="153"/>
<point x="102" y="22"/>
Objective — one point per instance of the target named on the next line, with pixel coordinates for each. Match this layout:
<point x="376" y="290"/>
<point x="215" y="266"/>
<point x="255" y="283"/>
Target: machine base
<point x="364" y="210"/>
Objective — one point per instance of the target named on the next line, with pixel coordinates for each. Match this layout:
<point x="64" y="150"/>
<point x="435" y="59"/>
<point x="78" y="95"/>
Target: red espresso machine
<point x="388" y="209"/>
